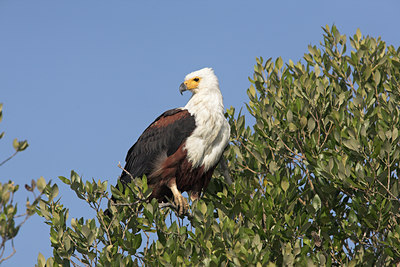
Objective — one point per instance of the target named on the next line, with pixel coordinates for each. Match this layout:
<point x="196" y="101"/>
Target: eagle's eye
<point x="196" y="79"/>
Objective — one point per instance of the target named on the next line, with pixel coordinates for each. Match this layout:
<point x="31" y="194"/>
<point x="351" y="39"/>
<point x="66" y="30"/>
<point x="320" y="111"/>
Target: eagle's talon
<point x="181" y="204"/>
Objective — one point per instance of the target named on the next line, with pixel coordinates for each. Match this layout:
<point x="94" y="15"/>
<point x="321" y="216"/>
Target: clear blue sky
<point x="81" y="80"/>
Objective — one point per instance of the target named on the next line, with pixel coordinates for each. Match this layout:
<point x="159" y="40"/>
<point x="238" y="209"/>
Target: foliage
<point x="9" y="225"/>
<point x="325" y="149"/>
<point x="315" y="178"/>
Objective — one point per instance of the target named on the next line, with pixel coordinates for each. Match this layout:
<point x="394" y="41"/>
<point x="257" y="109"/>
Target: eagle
<point x="179" y="151"/>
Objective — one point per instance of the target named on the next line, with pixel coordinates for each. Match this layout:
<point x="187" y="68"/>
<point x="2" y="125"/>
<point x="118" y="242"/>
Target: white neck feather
<point x="210" y="103"/>
<point x="209" y="139"/>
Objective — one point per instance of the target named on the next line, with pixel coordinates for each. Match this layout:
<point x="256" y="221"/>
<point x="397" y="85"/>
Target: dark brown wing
<point x="162" y="137"/>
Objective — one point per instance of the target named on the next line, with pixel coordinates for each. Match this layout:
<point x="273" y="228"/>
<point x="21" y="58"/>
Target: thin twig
<point x="377" y="179"/>
<point x="12" y="254"/>
<point x="126" y="225"/>
<point x="302" y="201"/>
<point x="327" y="134"/>
<point x="130" y="175"/>
<point x="248" y="150"/>
<point x="147" y="243"/>
<point x="388" y="166"/>
<point x="106" y="228"/>
<point x="309" y="180"/>
<point x="167" y="205"/>
<point x="290" y="150"/>
<point x="7" y="159"/>
<point x="388" y="191"/>
<point x="247" y="168"/>
<point x="76" y="257"/>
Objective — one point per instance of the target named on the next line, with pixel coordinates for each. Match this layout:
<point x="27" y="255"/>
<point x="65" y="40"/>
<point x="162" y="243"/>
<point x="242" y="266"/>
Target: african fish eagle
<point x="179" y="151"/>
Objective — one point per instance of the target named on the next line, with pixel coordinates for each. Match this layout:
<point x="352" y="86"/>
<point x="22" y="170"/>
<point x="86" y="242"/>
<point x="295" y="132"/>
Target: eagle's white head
<point x="201" y="81"/>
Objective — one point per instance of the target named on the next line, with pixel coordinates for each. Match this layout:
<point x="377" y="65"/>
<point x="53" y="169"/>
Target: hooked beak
<point x="182" y="88"/>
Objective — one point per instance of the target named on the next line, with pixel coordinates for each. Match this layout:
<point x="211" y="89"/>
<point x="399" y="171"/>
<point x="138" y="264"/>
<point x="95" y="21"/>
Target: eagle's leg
<point x="180" y="201"/>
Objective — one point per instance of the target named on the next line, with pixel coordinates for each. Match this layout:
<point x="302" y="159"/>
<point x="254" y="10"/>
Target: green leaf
<point x="284" y="184"/>
<point x="377" y="77"/>
<point x="41" y="184"/>
<point x="395" y="133"/>
<point x="352" y="144"/>
<point x="289" y="116"/>
<point x="50" y="262"/>
<point x="279" y="63"/>
<point x="116" y="193"/>
<point x="310" y="124"/>
<point x="352" y="216"/>
<point x="41" y="260"/>
<point x="273" y="166"/>
<point x="322" y="259"/>
<point x="203" y="207"/>
<point x="137" y="241"/>
<point x="317" y="70"/>
<point x="64" y="180"/>
<point x="252" y="91"/>
<point x="16" y="144"/>
<point x="292" y="127"/>
<point x="297" y="248"/>
<point x="54" y="192"/>
<point x="303" y="121"/>
<point x="316" y="202"/>
<point x="358" y="34"/>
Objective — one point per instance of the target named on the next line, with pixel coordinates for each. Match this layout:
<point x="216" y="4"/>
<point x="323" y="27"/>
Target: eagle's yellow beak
<point x="182" y="88"/>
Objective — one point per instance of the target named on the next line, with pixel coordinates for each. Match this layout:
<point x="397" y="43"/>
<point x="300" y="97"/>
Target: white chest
<point x="208" y="141"/>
